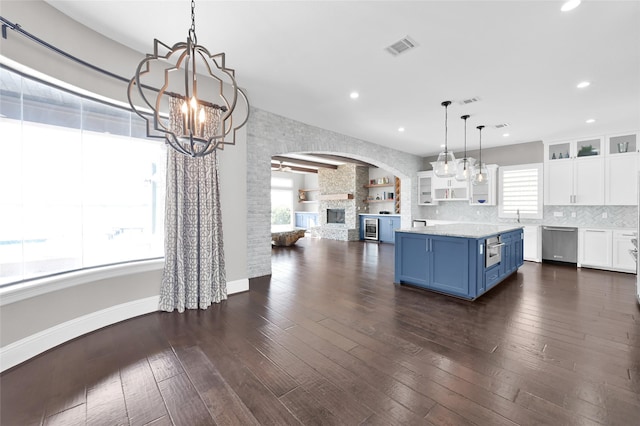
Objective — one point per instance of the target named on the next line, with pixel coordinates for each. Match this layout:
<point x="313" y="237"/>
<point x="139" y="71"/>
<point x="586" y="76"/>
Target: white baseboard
<point x="238" y="286"/>
<point x="20" y="351"/>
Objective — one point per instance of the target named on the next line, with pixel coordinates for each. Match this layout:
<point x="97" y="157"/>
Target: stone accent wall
<point x="343" y="180"/>
<point x="269" y="134"/>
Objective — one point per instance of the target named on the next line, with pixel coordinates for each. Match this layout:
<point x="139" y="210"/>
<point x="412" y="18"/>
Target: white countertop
<point x="378" y="214"/>
<point x="466" y="230"/>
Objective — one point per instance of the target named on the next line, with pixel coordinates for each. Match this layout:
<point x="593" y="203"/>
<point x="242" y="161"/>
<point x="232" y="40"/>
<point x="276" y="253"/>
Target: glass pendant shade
<point x="465" y="169"/>
<point x="446" y="165"/>
<point x="480" y="174"/>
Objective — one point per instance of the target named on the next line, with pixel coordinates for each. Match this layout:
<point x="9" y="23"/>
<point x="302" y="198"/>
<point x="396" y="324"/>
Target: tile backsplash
<point x="585" y="216"/>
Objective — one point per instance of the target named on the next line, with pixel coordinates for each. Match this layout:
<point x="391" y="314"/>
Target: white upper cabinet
<point x="485" y="194"/>
<point x="574" y="172"/>
<point x="621" y="169"/>
<point x="448" y="189"/>
<point x="425" y="197"/>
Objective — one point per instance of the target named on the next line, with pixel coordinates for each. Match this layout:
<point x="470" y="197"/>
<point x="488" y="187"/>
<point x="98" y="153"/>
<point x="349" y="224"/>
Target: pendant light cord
<point x="445" y="104"/>
<point x="465" y="160"/>
<point x="445" y="128"/>
<point x="480" y="154"/>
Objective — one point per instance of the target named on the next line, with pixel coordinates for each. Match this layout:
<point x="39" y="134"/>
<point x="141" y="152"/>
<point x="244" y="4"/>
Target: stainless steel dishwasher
<point x="560" y="244"/>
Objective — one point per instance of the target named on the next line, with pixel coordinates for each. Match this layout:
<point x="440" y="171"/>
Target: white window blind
<point x="521" y="191"/>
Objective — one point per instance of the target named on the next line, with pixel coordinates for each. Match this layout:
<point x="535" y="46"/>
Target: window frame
<point x="45" y="278"/>
<point x="540" y="192"/>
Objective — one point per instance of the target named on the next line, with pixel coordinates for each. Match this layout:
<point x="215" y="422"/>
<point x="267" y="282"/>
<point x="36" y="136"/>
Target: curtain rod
<point x="16" y="27"/>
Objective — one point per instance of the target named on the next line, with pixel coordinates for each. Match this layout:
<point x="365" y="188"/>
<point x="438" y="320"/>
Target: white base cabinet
<point x="532" y="243"/>
<point x="595" y="247"/>
<point x="622" y="260"/>
<point x="606" y="249"/>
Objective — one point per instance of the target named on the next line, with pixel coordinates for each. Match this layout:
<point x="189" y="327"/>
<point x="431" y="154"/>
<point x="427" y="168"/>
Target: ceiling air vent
<point x="401" y="46"/>
<point x="501" y="126"/>
<point x="469" y="101"/>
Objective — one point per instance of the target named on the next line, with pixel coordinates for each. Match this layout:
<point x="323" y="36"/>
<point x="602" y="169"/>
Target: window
<point x="521" y="191"/>
<point x="281" y="204"/>
<point x="79" y="186"/>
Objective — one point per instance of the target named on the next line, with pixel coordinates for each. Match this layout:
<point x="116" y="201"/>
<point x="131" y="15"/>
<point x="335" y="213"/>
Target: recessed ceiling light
<point x="505" y="134"/>
<point x="570" y="5"/>
<point x="401" y="129"/>
<point x="583" y="84"/>
<point x="591" y="120"/>
<point x="354" y="95"/>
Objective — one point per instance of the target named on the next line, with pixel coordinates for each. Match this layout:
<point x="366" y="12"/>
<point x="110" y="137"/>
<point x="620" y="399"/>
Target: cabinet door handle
<point x="594" y="230"/>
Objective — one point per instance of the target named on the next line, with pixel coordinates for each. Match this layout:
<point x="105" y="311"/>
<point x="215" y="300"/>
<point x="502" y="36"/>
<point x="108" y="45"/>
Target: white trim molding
<point x="20" y="351"/>
<point x="238" y="286"/>
<point x="17" y="292"/>
<point x="24" y="349"/>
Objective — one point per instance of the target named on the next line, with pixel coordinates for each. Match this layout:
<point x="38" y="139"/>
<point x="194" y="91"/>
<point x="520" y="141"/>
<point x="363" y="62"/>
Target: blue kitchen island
<point x="462" y="260"/>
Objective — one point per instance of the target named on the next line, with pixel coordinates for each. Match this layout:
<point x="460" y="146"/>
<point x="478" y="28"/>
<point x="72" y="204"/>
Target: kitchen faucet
<point x="518" y="213"/>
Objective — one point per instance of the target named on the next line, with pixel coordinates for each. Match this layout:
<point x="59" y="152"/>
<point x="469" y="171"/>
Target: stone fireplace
<point x="335" y="216"/>
<point x="342" y="195"/>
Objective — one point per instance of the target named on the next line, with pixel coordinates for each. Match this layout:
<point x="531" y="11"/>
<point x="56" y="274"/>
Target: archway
<point x="269" y="135"/>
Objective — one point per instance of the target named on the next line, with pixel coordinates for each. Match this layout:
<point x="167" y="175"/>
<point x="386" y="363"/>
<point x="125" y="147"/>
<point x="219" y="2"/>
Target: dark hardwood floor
<point x="328" y="339"/>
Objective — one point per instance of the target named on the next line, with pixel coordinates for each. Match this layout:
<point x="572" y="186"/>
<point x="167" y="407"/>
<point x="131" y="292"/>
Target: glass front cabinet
<point x="593" y="171"/>
<point x="425" y="197"/>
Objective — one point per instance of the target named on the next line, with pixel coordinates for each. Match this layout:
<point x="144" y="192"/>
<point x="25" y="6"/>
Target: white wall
<point x="26" y="317"/>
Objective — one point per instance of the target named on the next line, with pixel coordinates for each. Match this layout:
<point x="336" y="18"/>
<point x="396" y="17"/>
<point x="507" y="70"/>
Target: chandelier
<point x="446" y="164"/>
<point x="188" y="96"/>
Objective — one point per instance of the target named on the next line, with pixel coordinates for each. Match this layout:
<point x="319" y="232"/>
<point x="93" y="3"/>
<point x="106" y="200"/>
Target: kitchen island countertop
<point x="465" y="230"/>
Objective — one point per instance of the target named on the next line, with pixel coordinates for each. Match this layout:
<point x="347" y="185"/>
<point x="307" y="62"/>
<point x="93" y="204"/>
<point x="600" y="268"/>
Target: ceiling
<point x="302" y="59"/>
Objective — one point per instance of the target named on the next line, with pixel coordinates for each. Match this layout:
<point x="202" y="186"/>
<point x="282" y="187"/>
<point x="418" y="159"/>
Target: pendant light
<point x="192" y="96"/>
<point x="480" y="172"/>
<point x="463" y="173"/>
<point x="446" y="165"/>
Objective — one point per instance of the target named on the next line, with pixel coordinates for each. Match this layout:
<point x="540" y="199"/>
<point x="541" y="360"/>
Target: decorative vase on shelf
<point x="553" y="157"/>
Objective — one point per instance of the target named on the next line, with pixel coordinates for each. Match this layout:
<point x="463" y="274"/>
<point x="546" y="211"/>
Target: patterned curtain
<point x="194" y="271"/>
